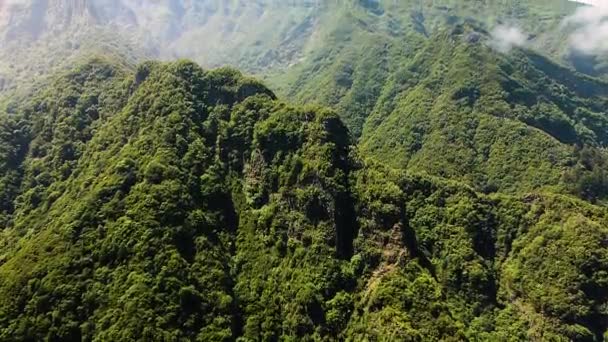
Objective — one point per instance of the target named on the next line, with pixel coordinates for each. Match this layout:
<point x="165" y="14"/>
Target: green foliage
<point x="588" y="179"/>
<point x="173" y="203"/>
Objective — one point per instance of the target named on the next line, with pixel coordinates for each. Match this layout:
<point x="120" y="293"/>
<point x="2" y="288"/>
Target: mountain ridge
<point x="201" y="205"/>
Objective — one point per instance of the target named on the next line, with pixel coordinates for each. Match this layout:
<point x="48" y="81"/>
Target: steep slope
<point x="40" y="37"/>
<point x="424" y="86"/>
<point x="465" y="274"/>
<point x="417" y="83"/>
<point x="171" y="203"/>
<point x="501" y="122"/>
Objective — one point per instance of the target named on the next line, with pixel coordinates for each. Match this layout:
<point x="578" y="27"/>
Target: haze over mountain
<point x="395" y="171"/>
<point x="213" y="32"/>
<point x="261" y="36"/>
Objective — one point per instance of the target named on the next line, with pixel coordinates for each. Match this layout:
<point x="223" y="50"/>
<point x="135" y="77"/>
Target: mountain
<point x="511" y="123"/>
<point x="433" y="90"/>
<point x="167" y="202"/>
<point x="403" y="76"/>
<point x="420" y="171"/>
<point x="269" y="38"/>
<point x="37" y="36"/>
<point x="364" y="44"/>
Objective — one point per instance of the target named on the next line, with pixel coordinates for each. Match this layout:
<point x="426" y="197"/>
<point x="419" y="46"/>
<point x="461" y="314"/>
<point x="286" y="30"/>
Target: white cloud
<point x="505" y="38"/>
<point x="589" y="25"/>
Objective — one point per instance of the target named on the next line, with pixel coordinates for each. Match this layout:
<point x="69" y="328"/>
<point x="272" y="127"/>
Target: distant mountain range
<point x="39" y="35"/>
<point x="261" y="36"/>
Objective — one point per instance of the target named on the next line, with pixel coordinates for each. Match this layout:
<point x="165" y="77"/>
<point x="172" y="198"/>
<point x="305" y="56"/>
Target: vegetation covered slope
<point x="172" y="203"/>
<point x="513" y="122"/>
<point x="357" y="46"/>
<point x="416" y="82"/>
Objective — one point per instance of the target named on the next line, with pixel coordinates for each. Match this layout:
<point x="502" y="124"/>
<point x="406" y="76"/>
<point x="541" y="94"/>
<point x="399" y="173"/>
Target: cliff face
<point x="170" y="22"/>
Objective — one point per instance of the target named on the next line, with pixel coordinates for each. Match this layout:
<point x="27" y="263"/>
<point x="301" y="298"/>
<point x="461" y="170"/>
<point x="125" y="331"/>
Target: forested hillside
<point x="509" y="123"/>
<point x="172" y="203"/>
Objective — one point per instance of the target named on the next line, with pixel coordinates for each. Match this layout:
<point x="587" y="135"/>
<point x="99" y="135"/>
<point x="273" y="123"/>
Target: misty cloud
<point x="590" y="29"/>
<point x="9" y="3"/>
<point x="505" y="38"/>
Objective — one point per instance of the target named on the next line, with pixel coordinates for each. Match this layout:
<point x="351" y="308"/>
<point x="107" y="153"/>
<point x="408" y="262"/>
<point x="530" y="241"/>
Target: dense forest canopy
<point x="169" y="202"/>
<point x="396" y="171"/>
